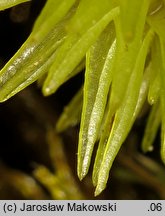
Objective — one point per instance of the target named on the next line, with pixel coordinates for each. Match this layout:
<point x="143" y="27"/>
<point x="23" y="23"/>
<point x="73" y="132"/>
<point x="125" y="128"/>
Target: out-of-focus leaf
<point x="72" y="113"/>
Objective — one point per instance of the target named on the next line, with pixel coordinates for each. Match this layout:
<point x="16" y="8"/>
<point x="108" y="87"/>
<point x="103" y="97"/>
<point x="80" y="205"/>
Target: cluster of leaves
<point x="121" y="43"/>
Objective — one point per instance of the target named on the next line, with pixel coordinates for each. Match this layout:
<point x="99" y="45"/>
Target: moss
<point x="123" y="54"/>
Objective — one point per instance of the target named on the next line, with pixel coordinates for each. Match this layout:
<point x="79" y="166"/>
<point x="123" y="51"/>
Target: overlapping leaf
<point x="98" y="77"/>
<point x="119" y="75"/>
<point x="124" y="117"/>
<point x="29" y="63"/>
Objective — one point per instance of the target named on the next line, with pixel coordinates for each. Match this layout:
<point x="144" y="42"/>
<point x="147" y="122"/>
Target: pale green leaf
<point x="162" y="96"/>
<point x="94" y="11"/>
<point x="73" y="51"/>
<point x="124" y="117"/>
<point x="127" y="50"/>
<point x="46" y="21"/>
<point x="157" y="21"/>
<point x="49" y="8"/>
<point x="151" y="129"/>
<point x="29" y="63"/>
<point x="4" y="4"/>
<point x="154" y="90"/>
<point x="143" y="91"/>
<point x="98" y="77"/>
<point x="72" y="113"/>
<point x="93" y="109"/>
<point x="131" y="23"/>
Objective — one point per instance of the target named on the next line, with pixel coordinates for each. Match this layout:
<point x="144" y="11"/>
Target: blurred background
<point x="38" y="163"/>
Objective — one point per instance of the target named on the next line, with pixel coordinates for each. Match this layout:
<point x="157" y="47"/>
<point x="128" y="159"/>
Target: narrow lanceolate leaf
<point x="73" y="51"/>
<point x="124" y="116"/>
<point x="151" y="129"/>
<point x="29" y="63"/>
<point x="162" y="96"/>
<point x="98" y="77"/>
<point x="106" y="128"/>
<point x="72" y="113"/>
<point x="4" y="4"/>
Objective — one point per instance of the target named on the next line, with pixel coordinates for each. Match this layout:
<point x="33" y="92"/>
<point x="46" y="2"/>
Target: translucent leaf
<point x="131" y="23"/>
<point x="124" y="117"/>
<point x="73" y="51"/>
<point x="151" y="129"/>
<point x="94" y="11"/>
<point x="53" y="12"/>
<point x="29" y="63"/>
<point x="4" y="4"/>
<point x="79" y="68"/>
<point x="98" y="77"/>
<point x="109" y="121"/>
<point x="72" y="113"/>
<point x="154" y="90"/>
<point x="162" y="96"/>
